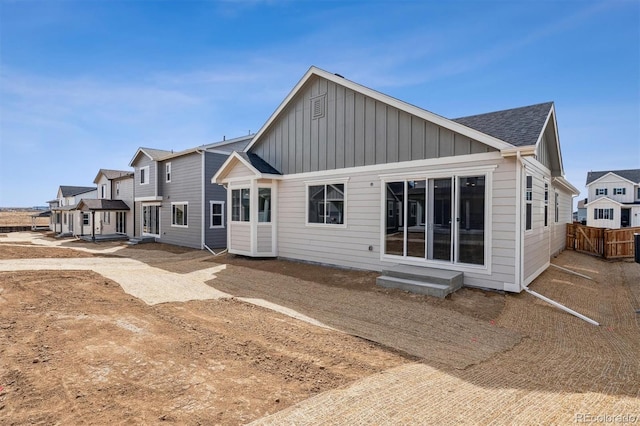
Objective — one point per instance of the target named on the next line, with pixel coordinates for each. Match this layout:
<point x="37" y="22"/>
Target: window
<point x="603" y="214"/>
<point x="529" y="202"/>
<point x="85" y="218"/>
<point x="58" y="218"/>
<point x="619" y="191"/>
<point x="638" y="193"/>
<point x="167" y="168"/>
<point x="264" y="204"/>
<point x="557" y="207"/>
<point x="326" y="204"/>
<point x="217" y="214"/>
<point x="601" y="191"/>
<point x="117" y="188"/>
<point x="546" y="204"/>
<point x="151" y="219"/>
<point x="240" y="200"/>
<point x="390" y="208"/>
<point x="144" y="175"/>
<point x="179" y="214"/>
<point x="103" y="191"/>
<point x="65" y="218"/>
<point x="106" y="217"/>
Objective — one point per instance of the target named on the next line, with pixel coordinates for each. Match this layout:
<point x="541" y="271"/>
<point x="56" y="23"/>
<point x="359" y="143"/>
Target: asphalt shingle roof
<point x="102" y="204"/>
<point x="114" y="174"/>
<point x="518" y="126"/>
<point x="70" y="191"/>
<point x="257" y="162"/>
<point x="632" y="174"/>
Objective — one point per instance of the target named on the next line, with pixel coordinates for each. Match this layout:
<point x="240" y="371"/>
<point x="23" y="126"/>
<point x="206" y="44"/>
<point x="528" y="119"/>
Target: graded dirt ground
<point x="21" y="218"/>
<point x="75" y="348"/>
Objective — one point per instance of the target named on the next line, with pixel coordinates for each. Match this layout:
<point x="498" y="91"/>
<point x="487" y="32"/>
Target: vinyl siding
<point x="126" y="195"/>
<point x="559" y="229"/>
<point x="264" y="238"/>
<point x="610" y="182"/>
<point x="349" y="246"/>
<point x="240" y="237"/>
<point x="355" y="131"/>
<point x="185" y="187"/>
<point x="239" y="171"/>
<point x="147" y="190"/>
<point x="536" y="252"/>
<point x="214" y="238"/>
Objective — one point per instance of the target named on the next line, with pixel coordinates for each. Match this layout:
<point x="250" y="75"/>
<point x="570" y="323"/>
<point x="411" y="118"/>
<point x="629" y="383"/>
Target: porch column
<point x="93" y="225"/>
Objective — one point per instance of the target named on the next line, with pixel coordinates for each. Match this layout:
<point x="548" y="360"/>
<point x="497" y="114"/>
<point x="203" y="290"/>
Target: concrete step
<point x="422" y="280"/>
<point x="431" y="275"/>
<point x="418" y="287"/>
<point x="140" y="240"/>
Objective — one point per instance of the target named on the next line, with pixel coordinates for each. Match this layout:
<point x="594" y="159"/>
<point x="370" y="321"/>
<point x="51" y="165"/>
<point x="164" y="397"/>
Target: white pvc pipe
<point x="564" y="308"/>
<point x="572" y="272"/>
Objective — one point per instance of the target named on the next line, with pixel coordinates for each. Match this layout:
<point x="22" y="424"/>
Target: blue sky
<point x="83" y="84"/>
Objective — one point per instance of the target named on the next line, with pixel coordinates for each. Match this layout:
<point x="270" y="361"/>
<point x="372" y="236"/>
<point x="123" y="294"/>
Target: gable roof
<point x="518" y="126"/>
<point x="70" y="191"/>
<point x="152" y="153"/>
<point x="632" y="175"/>
<point x="470" y="132"/>
<point x="258" y="163"/>
<point x="101" y="204"/>
<point x="112" y="174"/>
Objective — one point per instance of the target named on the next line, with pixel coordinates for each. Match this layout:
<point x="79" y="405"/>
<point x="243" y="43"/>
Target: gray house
<point x="344" y="175"/>
<point x="174" y="199"/>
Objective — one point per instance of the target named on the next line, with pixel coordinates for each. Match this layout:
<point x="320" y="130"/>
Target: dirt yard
<point x="74" y="347"/>
<point x="21" y="218"/>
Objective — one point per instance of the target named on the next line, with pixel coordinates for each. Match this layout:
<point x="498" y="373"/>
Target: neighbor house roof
<point x="112" y="174"/>
<point x="70" y="191"/>
<point x="517" y="126"/>
<point x="101" y="204"/>
<point x="632" y="175"/>
<point x="153" y="154"/>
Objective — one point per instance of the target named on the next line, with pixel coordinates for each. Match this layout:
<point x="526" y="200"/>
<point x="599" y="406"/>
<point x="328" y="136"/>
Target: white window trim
<point x="487" y="172"/>
<point x="239" y="188"/>
<point x="211" y="225"/>
<point x="338" y="181"/>
<point x="545" y="206"/>
<point x="180" y="203"/>
<point x="142" y="219"/>
<point x="118" y="188"/>
<point x="167" y="172"/>
<point x="527" y="201"/>
<point x="146" y="175"/>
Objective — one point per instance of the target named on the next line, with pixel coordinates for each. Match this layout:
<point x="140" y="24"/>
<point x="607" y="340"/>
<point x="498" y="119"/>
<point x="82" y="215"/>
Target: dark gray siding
<point x="547" y="153"/>
<point x="185" y="186"/>
<point x="214" y="238"/>
<point x="355" y="130"/>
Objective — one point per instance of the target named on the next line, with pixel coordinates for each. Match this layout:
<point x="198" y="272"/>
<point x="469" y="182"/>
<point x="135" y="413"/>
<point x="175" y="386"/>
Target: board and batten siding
<point x="185" y="186"/>
<point x="547" y="153"/>
<point x="349" y="246"/>
<point x="354" y="130"/>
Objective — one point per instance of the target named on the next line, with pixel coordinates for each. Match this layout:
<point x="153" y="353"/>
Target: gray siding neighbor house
<point x="344" y="175"/>
<point x="174" y="199"/>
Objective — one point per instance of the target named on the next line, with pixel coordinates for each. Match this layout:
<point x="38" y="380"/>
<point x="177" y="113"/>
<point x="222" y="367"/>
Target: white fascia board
<point x="601" y="199"/>
<point x="234" y="156"/>
<point x="138" y="152"/>
<point x="567" y="185"/>
<point x="613" y="174"/>
<point x="403" y="106"/>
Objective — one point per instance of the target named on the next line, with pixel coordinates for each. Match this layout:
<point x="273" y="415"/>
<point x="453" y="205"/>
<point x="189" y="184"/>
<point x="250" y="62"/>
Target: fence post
<point x="636" y="247"/>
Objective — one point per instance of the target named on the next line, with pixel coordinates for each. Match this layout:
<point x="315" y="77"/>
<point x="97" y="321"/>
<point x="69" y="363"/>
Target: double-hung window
<point x="528" y="202"/>
<point x="179" y="214"/>
<point x="557" y="200"/>
<point x="217" y="214"/>
<point x="619" y="191"/>
<point x="603" y="214"/>
<point x="326" y="204"/>
<point x="144" y="175"/>
<point x="167" y="169"/>
<point x="601" y="191"/>
<point x="264" y="205"/>
<point x="546" y="204"/>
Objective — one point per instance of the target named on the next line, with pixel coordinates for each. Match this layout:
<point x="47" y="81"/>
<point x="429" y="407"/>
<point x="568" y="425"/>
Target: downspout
<point x="519" y="250"/>
<point x="202" y="203"/>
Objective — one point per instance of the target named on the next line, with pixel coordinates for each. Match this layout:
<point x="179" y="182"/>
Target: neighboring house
<point x="175" y="201"/>
<point x="343" y="175"/>
<point x="65" y="219"/>
<point x="581" y="214"/>
<point x="112" y="211"/>
<point x="614" y="198"/>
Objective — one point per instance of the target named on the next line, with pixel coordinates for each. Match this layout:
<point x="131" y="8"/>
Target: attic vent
<point x="318" y="106"/>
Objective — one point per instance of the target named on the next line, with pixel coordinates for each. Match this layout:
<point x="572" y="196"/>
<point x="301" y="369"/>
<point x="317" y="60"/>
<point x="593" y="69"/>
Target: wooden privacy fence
<point x="608" y="243"/>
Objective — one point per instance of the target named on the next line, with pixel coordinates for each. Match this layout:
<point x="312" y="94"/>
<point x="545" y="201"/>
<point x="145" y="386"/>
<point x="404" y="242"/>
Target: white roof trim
<point x="227" y="163"/>
<point x="565" y="183"/>
<point x="597" y="200"/>
<point x="138" y="151"/>
<point x="403" y="106"/>
<point x="616" y="175"/>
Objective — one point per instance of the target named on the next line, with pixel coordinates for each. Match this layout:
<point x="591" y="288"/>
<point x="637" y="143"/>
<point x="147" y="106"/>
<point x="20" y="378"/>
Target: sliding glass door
<point x="439" y="219"/>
